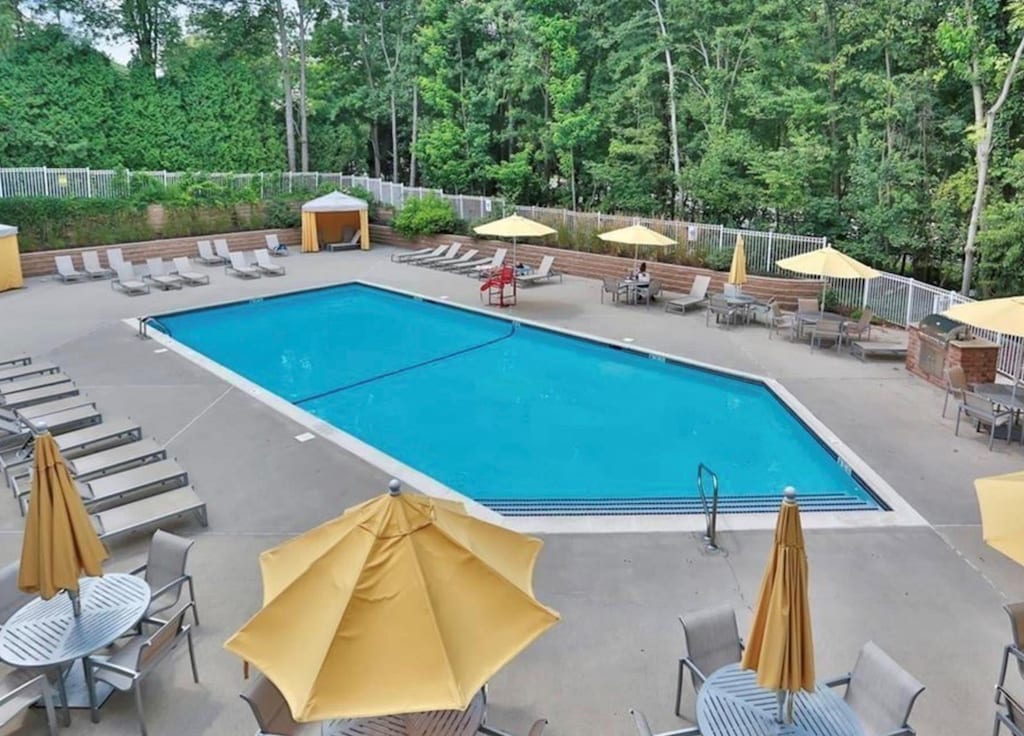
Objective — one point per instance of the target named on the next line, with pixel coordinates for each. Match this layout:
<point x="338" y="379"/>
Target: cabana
<point x="10" y="261"/>
<point x="335" y="221"/>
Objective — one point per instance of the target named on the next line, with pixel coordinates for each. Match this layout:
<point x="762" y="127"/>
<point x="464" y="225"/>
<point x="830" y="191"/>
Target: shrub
<point x="426" y="216"/>
<point x="718" y="259"/>
<point x="282" y="212"/>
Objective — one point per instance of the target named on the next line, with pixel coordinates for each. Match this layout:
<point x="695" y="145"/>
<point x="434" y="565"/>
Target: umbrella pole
<point x="76" y="603"/>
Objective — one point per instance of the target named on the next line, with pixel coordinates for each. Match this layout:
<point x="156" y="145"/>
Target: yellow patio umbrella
<point x="738" y="270"/>
<point x="1004" y="315"/>
<point x="514" y="227"/>
<point x="780" y="647"/>
<point x="403" y="604"/>
<point x="637" y="235"/>
<point x="828" y="263"/>
<point x="60" y="542"/>
<point x="1002" y="513"/>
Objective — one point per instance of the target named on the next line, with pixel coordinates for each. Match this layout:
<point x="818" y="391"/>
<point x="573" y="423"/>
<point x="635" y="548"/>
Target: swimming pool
<point x="524" y="420"/>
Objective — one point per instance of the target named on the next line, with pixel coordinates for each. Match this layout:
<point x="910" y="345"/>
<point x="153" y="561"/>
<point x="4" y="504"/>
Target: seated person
<point x="642" y="277"/>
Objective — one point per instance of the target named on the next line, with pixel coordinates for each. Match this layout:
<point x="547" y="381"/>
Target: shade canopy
<point x="828" y="263"/>
<point x="10" y="259"/>
<point x="7" y="230"/>
<point x="738" y="270"/>
<point x="335" y="218"/>
<point x="60" y="542"/>
<point x="637" y="235"/>
<point x="1001" y="501"/>
<point x="514" y="226"/>
<point x="780" y="647"/>
<point x="403" y="604"/>
<point x="1004" y="315"/>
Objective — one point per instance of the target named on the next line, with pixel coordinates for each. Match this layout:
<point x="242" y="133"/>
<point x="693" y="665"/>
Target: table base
<point x="77" y="690"/>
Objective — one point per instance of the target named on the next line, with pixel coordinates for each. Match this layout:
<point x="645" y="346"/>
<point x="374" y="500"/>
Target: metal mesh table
<point x="433" y="723"/>
<point x="47" y="634"/>
<point x="731" y="702"/>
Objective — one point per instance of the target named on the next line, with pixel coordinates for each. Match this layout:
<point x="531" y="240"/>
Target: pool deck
<point x="928" y="592"/>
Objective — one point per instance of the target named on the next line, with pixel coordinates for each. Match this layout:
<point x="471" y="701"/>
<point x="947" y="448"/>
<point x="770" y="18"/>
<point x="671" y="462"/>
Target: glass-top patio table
<point x="732" y="703"/>
<point x="432" y="723"/>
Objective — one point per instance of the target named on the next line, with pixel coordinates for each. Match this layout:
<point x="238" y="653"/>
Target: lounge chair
<point x="220" y="245"/>
<point x="50" y="407"/>
<point x="827" y="330"/>
<point x="542" y="274"/>
<point x="115" y="257"/>
<point x="16" y="360"/>
<point x="712" y="641"/>
<point x="698" y="293"/>
<point x="91" y="265"/>
<point x="347" y="243"/>
<point x="126" y="281"/>
<point x="469" y="267"/>
<point x="270" y="709"/>
<point x="66" y="270"/>
<point x="206" y="255"/>
<point x="148" y="512"/>
<point x="109" y="433"/>
<point x="1012" y="718"/>
<point x="984" y="411"/>
<point x="263" y="263"/>
<point x="723" y="312"/>
<point x="643" y="728"/>
<point x="421" y="253"/>
<point x="67" y="420"/>
<point x="24" y="399"/>
<point x="115" y="459"/>
<point x="160" y="276"/>
<point x="496" y="261"/>
<point x="451" y="252"/>
<point x="183" y="269"/>
<point x="880" y="693"/>
<point x="17" y="372"/>
<point x="1015" y="648"/>
<point x="30" y="383"/>
<point x="238" y="267"/>
<point x="166" y="573"/>
<point x="465" y="257"/>
<point x="275" y="246"/>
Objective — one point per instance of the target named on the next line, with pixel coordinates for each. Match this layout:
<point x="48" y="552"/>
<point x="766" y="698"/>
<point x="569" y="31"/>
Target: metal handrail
<point x="710" y="510"/>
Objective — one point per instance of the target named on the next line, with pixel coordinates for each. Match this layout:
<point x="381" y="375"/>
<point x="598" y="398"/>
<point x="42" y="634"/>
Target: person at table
<point x="643" y="279"/>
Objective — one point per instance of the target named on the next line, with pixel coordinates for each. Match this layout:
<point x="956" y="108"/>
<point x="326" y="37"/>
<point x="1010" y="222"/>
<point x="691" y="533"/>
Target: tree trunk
<point x="303" y="127"/>
<point x="375" y="145"/>
<point x="394" y="135"/>
<point x="286" y="82"/>
<point x="412" y="144"/>
<point x="674" y="132"/>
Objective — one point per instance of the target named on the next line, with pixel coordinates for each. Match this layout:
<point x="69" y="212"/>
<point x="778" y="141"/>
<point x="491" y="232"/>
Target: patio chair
<point x="535" y="730"/>
<point x="220" y="247"/>
<point x="263" y="263"/>
<point x="66" y="270"/>
<point x="91" y="265"/>
<point x="983" y="410"/>
<point x="238" y="267"/>
<point x="956" y="384"/>
<point x="544" y="272"/>
<point x="270" y="709"/>
<point x="275" y="246"/>
<point x="827" y="330"/>
<point x="880" y="693"/>
<point x="861" y="328"/>
<point x="417" y="255"/>
<point x="646" y="294"/>
<point x="807" y="305"/>
<point x="712" y="641"/>
<point x="779" y="321"/>
<point x="193" y="278"/>
<point x="450" y="252"/>
<point x="125" y="667"/>
<point x="643" y="728"/>
<point x="127" y="282"/>
<point x="348" y="242"/>
<point x="19" y="691"/>
<point x="698" y="293"/>
<point x="1016" y="613"/>
<point x="1012" y="718"/>
<point x="614" y="287"/>
<point x="159" y="275"/>
<point x="721" y="309"/>
<point x="115" y="258"/>
<point x="165" y="572"/>
<point x="206" y="255"/>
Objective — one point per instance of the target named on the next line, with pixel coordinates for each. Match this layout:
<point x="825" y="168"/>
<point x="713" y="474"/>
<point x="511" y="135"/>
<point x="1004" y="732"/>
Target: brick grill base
<point x="979" y="359"/>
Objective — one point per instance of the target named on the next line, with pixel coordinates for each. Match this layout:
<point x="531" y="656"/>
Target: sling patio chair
<point x="880" y="693"/>
<point x="66" y="270"/>
<point x="91" y="265"/>
<point x="712" y="641"/>
<point x="984" y="411"/>
<point x="191" y="277"/>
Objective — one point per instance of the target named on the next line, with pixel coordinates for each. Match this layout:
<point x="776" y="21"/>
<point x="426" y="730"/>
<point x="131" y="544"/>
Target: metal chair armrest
<point x="163" y="589"/>
<point x="839" y="681"/>
<point x="99" y="664"/>
<point x="690" y="665"/>
<point x="905" y="731"/>
<point x="137" y="570"/>
<point x="490" y="731"/>
<point x="27" y="685"/>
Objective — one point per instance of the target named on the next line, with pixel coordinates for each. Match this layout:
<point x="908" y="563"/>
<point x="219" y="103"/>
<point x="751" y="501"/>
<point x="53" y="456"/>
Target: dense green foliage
<point x="426" y="216"/>
<point x="851" y="120"/>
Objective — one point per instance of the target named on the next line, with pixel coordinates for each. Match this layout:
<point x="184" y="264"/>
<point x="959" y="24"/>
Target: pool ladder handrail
<point x="710" y="509"/>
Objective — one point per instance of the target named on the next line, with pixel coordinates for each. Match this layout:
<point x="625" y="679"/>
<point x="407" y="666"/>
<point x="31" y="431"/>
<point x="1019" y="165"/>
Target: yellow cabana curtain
<point x="310" y="244"/>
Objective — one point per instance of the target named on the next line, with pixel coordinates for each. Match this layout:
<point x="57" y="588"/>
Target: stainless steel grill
<point x="935" y="332"/>
<point x="943" y="328"/>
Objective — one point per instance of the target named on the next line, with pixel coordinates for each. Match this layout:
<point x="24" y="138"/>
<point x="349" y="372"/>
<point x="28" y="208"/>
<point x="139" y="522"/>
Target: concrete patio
<point x="929" y="595"/>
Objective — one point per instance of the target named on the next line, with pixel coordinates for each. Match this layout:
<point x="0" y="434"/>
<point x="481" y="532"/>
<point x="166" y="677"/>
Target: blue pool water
<point x="522" y="419"/>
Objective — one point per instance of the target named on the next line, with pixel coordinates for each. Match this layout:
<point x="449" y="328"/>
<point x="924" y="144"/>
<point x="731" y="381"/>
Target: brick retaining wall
<point x="673" y="277"/>
<point x="40" y="263"/>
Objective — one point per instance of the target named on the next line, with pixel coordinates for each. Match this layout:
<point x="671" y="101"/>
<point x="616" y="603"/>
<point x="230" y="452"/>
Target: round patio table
<point x="46" y="634"/>
<point x="432" y="723"/>
<point x="739" y="300"/>
<point x="731" y="702"/>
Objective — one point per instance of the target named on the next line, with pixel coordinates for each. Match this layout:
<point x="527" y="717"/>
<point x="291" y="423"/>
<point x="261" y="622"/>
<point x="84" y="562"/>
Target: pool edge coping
<point x="900" y="513"/>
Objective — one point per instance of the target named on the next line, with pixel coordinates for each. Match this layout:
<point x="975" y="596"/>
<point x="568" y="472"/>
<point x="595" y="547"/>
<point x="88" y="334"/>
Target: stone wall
<point x="40" y="263"/>
<point x="977" y="357"/>
<point x="674" y="278"/>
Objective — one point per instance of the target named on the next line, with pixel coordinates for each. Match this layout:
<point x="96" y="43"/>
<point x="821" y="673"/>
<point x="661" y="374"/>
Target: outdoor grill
<point x="935" y="332"/>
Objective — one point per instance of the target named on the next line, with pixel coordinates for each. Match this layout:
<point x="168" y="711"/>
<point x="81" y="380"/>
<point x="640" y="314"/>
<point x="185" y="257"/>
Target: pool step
<point x="678" y="505"/>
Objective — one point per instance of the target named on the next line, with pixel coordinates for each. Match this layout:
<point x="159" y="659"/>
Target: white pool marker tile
<point x="444" y="298"/>
<point x="304" y="437"/>
<point x="160" y="350"/>
<point x="627" y="339"/>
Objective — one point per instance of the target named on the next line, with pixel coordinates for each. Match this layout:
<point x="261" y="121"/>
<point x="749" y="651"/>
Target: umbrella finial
<point x="38" y="428"/>
<point x="790" y="494"/>
<point x="394" y="487"/>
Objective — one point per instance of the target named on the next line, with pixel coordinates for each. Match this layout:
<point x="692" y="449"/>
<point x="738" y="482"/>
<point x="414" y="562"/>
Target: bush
<point x="426" y="216"/>
<point x="283" y="212"/>
<point x="718" y="259"/>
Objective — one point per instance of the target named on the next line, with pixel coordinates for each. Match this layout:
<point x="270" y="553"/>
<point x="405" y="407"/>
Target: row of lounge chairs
<point x="127" y="482"/>
<point x="453" y="259"/>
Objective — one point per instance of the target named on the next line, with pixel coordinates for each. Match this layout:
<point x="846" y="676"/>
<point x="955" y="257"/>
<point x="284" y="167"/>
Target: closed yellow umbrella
<point x="60" y="542"/>
<point x="738" y="270"/>
<point x="637" y="235"/>
<point x="1001" y="501"/>
<point x="780" y="647"/>
<point x="403" y="604"/>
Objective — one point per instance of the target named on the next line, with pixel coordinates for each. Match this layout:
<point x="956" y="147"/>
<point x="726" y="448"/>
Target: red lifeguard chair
<point x="501" y="288"/>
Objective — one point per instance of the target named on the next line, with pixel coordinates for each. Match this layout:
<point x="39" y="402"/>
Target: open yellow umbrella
<point x="780" y="647"/>
<point x="60" y="542"/>
<point x="1001" y="500"/>
<point x="637" y="235"/>
<point x="828" y="263"/>
<point x="738" y="270"/>
<point x="514" y="227"/>
<point x="1004" y="315"/>
<point x="403" y="604"/>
